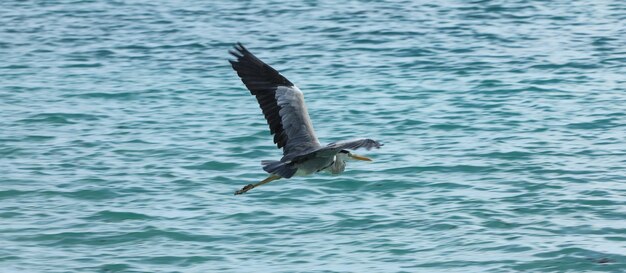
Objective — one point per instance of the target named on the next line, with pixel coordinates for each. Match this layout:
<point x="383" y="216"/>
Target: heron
<point x="283" y="106"/>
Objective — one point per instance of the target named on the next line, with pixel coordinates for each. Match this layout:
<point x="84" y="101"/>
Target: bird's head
<point x="345" y="155"/>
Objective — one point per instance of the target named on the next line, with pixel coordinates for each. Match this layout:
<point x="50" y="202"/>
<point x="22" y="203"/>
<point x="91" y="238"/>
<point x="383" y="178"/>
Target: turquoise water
<point x="125" y="133"/>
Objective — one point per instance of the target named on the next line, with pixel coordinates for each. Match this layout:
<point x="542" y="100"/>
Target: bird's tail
<point x="278" y="168"/>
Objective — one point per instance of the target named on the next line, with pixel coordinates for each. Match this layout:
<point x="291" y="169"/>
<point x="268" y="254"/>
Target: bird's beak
<point x="358" y="157"/>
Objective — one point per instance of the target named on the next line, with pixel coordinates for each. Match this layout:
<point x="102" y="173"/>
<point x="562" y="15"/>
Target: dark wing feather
<point x="333" y="148"/>
<point x="354" y="144"/>
<point x="281" y="101"/>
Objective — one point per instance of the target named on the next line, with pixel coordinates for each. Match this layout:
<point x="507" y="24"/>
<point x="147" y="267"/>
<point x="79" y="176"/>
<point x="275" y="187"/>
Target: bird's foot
<point x="244" y="189"/>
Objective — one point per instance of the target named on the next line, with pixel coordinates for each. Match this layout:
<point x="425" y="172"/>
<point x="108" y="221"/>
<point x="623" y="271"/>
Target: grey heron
<point x="287" y="116"/>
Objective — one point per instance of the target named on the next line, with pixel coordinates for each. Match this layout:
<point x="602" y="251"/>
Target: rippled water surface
<point x="124" y="133"/>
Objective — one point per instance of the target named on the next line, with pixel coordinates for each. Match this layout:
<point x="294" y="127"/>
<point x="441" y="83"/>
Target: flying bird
<point x="287" y="116"/>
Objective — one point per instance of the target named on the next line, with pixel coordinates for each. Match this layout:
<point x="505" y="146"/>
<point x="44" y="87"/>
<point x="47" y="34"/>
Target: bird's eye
<point x="344" y="152"/>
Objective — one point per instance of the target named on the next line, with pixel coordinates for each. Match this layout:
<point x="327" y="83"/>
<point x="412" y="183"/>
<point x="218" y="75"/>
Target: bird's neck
<point x="338" y="166"/>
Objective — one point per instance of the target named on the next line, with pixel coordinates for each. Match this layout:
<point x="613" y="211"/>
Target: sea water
<point x="124" y="133"/>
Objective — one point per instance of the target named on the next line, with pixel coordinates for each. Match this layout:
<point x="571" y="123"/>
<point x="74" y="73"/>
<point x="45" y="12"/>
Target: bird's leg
<point x="252" y="186"/>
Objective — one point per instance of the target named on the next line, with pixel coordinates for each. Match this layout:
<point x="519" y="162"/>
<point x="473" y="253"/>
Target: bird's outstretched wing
<point x="333" y="148"/>
<point x="281" y="101"/>
<point x="354" y="144"/>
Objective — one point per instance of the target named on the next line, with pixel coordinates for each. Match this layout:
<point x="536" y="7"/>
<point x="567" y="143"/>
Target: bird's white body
<point x="334" y="165"/>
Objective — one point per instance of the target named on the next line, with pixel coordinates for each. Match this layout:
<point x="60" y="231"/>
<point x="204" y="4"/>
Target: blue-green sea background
<point x="124" y="133"/>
